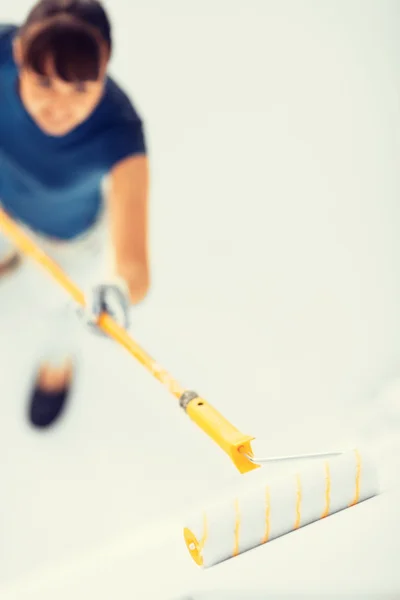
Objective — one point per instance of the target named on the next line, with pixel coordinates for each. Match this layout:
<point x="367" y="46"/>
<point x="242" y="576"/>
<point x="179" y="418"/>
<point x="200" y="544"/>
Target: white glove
<point x="111" y="297"/>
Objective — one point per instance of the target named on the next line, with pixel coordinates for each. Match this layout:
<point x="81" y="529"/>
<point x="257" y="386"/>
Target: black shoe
<point x="46" y="406"/>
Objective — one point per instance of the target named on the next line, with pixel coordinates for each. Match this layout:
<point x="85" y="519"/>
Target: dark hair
<point x="69" y="35"/>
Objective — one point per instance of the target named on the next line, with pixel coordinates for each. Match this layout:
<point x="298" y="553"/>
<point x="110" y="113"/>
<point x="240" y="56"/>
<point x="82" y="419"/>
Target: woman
<point x="66" y="128"/>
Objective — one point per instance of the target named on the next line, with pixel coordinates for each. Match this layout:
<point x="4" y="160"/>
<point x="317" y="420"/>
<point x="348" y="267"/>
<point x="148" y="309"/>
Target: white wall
<point x="274" y="133"/>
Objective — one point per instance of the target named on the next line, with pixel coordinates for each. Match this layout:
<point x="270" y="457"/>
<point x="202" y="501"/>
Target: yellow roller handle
<point x="234" y="443"/>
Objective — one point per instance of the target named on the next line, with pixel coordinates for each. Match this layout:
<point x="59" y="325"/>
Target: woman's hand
<point x="110" y="297"/>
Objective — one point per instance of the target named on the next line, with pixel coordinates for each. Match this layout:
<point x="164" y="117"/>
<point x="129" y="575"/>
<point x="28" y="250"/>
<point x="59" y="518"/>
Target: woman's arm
<point x="128" y="211"/>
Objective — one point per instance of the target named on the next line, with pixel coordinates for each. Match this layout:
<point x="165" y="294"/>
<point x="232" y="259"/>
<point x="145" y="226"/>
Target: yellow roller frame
<point x="236" y="444"/>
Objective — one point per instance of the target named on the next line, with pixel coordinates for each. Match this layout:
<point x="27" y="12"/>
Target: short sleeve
<point x="126" y="140"/>
<point x="119" y="126"/>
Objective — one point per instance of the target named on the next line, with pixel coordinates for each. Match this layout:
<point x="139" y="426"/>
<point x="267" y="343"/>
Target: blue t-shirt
<point x="54" y="184"/>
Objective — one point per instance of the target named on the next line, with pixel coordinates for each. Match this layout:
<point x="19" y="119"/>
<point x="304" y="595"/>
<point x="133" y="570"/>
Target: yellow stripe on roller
<point x="237" y="528"/>
<point x="328" y="484"/>
<point x="298" y="503"/>
<point x="267" y="516"/>
<point x="358" y="479"/>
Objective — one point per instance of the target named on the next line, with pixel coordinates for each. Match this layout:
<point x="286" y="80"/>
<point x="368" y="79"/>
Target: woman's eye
<point x="80" y="88"/>
<point x="44" y="82"/>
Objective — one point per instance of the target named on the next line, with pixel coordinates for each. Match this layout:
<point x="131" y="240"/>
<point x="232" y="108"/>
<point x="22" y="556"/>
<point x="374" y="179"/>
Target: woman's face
<point x="55" y="105"/>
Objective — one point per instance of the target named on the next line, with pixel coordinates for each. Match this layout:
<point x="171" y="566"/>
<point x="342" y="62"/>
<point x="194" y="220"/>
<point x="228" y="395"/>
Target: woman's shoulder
<point x="120" y="108"/>
<point x="120" y="125"/>
<point x="7" y="31"/>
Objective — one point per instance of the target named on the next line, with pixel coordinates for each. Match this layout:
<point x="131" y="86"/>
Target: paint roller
<point x="263" y="512"/>
<point x="270" y="509"/>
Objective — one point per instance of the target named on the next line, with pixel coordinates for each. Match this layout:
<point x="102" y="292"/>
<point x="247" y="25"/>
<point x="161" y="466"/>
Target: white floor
<point x="274" y="131"/>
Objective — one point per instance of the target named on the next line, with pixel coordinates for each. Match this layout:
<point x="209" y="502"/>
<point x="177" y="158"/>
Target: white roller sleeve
<point x="279" y="506"/>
